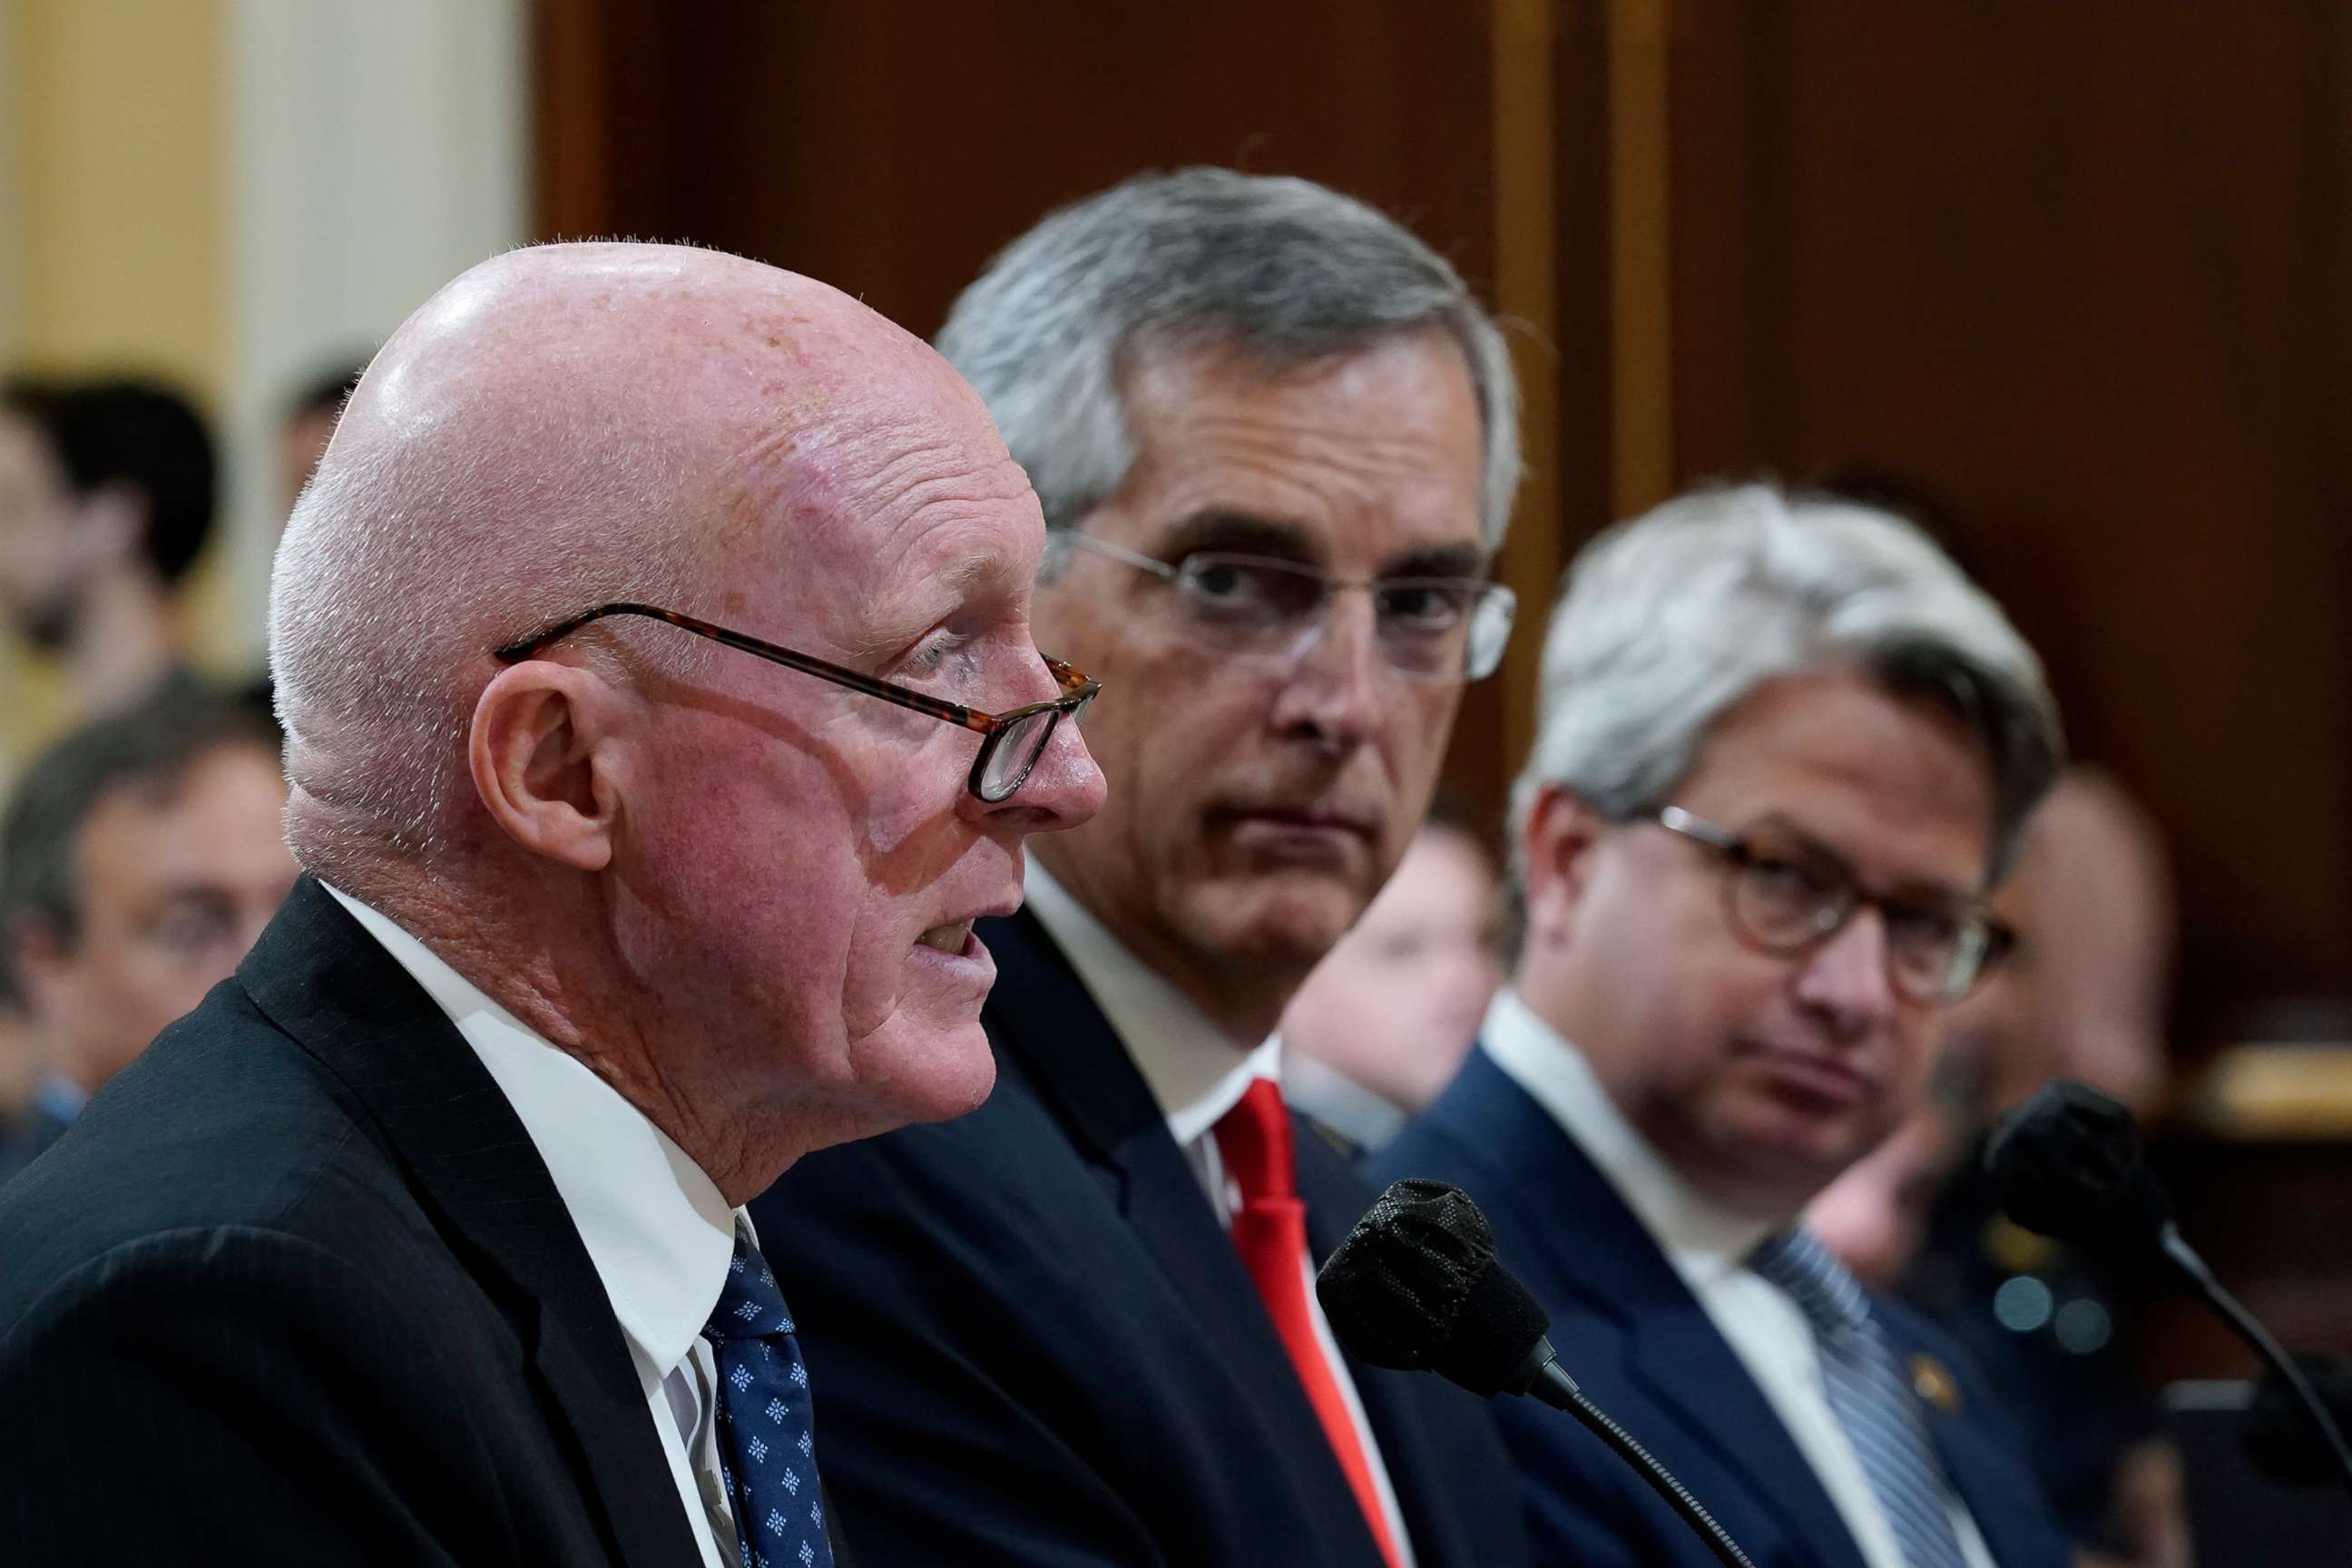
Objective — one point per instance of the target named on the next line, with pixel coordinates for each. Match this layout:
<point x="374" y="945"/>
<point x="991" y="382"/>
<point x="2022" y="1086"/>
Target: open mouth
<point x="951" y="940"/>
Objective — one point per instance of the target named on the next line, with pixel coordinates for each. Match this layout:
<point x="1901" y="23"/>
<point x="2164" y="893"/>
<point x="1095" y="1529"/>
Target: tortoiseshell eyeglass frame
<point x="994" y="728"/>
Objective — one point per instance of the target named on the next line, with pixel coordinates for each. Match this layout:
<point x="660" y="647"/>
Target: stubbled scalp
<point x="558" y="426"/>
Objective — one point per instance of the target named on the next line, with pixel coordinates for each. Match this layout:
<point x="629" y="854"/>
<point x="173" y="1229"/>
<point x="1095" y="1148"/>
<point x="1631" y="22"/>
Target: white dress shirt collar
<point x="655" y="1225"/>
<point x="1704" y="1240"/>
<point x="1193" y="1069"/>
<point x="1367" y="1120"/>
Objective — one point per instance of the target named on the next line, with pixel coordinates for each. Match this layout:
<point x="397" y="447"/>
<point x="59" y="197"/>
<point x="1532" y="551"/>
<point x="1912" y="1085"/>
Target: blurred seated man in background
<point x="1274" y="439"/>
<point x="1785" y="747"/>
<point x="2082" y="996"/>
<point x="661" y="707"/>
<point x="107" y="495"/>
<point x="1383" y="1023"/>
<point x="307" y="423"/>
<point x="139" y="858"/>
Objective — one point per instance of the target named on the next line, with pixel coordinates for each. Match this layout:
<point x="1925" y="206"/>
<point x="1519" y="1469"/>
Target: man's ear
<point x="37" y="956"/>
<point x="539" y="748"/>
<point x="1556" y="855"/>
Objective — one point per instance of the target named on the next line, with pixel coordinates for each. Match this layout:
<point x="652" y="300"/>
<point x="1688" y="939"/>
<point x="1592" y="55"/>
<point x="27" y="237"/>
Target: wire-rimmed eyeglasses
<point x="1262" y="610"/>
<point x="1785" y="901"/>
<point x="1011" y="741"/>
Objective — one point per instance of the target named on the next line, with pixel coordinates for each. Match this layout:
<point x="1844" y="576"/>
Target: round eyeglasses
<point x="1260" y="610"/>
<point x="1787" y="901"/>
<point x="1011" y="744"/>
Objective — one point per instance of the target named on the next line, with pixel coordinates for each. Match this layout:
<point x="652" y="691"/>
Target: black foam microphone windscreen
<point x="2067" y="1163"/>
<point x="1416" y="1286"/>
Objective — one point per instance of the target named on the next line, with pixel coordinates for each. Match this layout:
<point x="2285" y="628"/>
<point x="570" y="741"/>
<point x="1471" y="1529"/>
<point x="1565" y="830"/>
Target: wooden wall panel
<point x="890" y="149"/>
<point x="2078" y="273"/>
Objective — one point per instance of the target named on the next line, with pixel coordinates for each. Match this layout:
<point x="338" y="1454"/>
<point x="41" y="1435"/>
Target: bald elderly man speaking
<point x="653" y="651"/>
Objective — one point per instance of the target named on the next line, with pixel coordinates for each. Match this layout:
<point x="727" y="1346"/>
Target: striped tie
<point x="1868" y="1395"/>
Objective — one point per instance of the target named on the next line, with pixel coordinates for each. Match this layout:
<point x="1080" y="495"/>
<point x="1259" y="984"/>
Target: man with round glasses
<point x="1785" y="748"/>
<point x="1275" y="440"/>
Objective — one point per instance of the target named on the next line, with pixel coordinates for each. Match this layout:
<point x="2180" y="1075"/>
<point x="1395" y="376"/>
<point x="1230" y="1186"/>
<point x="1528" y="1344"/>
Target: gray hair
<point x="396" y="555"/>
<point x="1666" y="623"/>
<point x="1285" y="269"/>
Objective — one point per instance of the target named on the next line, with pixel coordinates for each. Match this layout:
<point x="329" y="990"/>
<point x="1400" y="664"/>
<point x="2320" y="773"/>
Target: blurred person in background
<point x="1276" y="441"/>
<point x="1383" y="1023"/>
<point x="2083" y="996"/>
<point x="106" y="497"/>
<point x="140" y="856"/>
<point x="307" y="423"/>
<point x="1785" y="747"/>
<point x="21" y="1061"/>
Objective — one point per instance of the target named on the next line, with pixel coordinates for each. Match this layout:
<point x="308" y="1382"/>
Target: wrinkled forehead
<point x="902" y="482"/>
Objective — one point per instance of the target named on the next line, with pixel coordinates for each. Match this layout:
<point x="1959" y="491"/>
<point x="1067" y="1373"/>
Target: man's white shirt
<point x="1708" y="1247"/>
<point x="1195" y="1075"/>
<point x="654" y="1226"/>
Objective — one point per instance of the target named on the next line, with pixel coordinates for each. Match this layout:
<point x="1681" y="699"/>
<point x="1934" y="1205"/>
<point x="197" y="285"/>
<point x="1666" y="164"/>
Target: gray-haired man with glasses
<point x="1275" y="440"/>
<point x="1785" y="749"/>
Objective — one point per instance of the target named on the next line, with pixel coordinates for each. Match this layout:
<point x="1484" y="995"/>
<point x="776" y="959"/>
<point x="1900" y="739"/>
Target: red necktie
<point x="1270" y="1230"/>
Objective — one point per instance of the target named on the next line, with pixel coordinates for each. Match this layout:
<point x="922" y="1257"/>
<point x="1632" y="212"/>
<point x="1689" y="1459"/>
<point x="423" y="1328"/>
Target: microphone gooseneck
<point x="2277" y="1435"/>
<point x="2067" y="1163"/>
<point x="1416" y="1286"/>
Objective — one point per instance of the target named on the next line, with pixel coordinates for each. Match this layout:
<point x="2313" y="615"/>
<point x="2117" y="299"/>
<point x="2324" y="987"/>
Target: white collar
<point x="656" y="1227"/>
<point x="1193" y="1069"/>
<point x="1703" y="1239"/>
<point x="1365" y="1119"/>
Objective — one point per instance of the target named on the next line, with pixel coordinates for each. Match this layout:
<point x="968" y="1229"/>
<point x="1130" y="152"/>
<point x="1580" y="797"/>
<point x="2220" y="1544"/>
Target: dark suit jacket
<point x="28" y="1140"/>
<point x="1634" y="1337"/>
<point x="298" y="1288"/>
<point x="1032" y="1343"/>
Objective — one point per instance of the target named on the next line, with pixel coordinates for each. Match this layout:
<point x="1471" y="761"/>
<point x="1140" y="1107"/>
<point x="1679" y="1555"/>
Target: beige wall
<point x="119" y="181"/>
<point x="232" y="193"/>
<point x="110" y="132"/>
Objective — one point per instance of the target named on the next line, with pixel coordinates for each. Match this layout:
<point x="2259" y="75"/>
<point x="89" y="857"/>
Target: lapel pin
<point x="1933" y="1382"/>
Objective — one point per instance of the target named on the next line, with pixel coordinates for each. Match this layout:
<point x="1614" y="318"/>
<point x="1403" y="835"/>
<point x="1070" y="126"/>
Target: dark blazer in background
<point x="297" y="1287"/>
<point x="27" y="1140"/>
<point x="1631" y="1332"/>
<point x="1031" y="1342"/>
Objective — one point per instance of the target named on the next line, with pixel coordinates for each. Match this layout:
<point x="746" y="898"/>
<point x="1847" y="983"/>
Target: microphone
<point x="2067" y="1163"/>
<point x="2278" y="1436"/>
<point x="1416" y="1287"/>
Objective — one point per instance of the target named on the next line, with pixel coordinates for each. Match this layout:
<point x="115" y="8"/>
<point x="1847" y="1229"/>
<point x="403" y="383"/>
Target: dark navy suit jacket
<point x="1032" y="1343"/>
<point x="1631" y="1332"/>
<point x="297" y="1287"/>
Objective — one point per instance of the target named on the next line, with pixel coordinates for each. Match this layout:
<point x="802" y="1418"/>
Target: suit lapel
<point x="1043" y="1016"/>
<point x="1048" y="1024"/>
<point x="1604" y="1258"/>
<point x="345" y="1000"/>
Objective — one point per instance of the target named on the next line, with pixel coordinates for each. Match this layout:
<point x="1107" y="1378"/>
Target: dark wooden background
<point x="2080" y="274"/>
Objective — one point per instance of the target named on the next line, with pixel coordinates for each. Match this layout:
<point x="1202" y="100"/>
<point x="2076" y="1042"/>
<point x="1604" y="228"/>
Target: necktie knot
<point x="1824" y="1289"/>
<point x="750" y="1306"/>
<point x="1253" y="1140"/>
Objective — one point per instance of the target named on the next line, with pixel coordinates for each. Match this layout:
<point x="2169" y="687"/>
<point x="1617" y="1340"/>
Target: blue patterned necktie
<point x="1868" y="1395"/>
<point x="767" y="1427"/>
